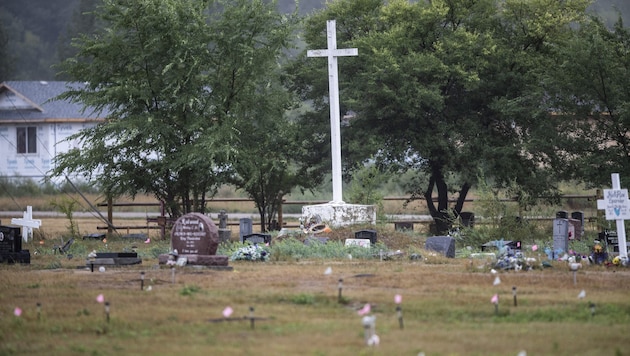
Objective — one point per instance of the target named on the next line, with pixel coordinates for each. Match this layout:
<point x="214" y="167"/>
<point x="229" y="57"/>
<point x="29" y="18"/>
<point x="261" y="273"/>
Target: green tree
<point x="448" y="87"/>
<point x="264" y="163"/>
<point x="590" y="87"/>
<point x="5" y="57"/>
<point x="83" y="21"/>
<point x="174" y="78"/>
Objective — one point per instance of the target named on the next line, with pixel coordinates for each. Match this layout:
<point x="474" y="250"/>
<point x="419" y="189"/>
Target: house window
<point x="27" y="140"/>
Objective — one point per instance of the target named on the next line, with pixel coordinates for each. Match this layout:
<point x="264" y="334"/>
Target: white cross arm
<point x="34" y="223"/>
<point x="343" y="52"/>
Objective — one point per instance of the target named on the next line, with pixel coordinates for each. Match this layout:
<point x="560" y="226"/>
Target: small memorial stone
<point x="442" y="244"/>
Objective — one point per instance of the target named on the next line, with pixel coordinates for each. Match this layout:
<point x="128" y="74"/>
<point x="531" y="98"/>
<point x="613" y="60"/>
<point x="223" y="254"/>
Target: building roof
<point x="28" y="101"/>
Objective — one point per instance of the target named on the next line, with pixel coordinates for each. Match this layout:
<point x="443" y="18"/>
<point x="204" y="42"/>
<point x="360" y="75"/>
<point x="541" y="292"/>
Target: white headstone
<point x="617" y="207"/>
<point x="27" y="223"/>
<point x="333" y="91"/>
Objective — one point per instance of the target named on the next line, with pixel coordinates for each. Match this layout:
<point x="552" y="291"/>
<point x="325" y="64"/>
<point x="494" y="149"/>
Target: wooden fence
<point x="396" y="215"/>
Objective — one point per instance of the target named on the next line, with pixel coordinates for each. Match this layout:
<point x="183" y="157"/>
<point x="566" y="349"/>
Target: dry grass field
<point x="445" y="305"/>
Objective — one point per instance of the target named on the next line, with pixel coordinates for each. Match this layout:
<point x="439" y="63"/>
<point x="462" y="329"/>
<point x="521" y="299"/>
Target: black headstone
<point x="611" y="238"/>
<point x="579" y="215"/>
<point x="11" y="246"/>
<point x="442" y="244"/>
<point x="97" y="236"/>
<point x="10" y="239"/>
<point x="403" y="226"/>
<point x="562" y="214"/>
<point x="366" y="234"/>
<point x="468" y="218"/>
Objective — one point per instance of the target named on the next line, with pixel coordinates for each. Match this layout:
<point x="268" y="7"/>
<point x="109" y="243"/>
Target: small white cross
<point x="27" y="223"/>
<point x="333" y="91"/>
<point x="617" y="208"/>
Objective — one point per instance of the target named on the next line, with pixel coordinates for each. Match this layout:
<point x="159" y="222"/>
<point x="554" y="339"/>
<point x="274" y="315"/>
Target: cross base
<point x="339" y="214"/>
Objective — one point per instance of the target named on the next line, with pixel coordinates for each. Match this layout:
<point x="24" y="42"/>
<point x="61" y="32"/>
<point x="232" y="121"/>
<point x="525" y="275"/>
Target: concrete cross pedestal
<point x="27" y="223"/>
<point x="617" y="207"/>
<point x="336" y="212"/>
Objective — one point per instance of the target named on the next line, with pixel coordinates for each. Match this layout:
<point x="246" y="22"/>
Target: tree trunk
<point x="443" y="216"/>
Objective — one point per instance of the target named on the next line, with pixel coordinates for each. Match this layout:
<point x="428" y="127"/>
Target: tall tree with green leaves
<point x="590" y="87"/>
<point x="83" y="21"/>
<point x="447" y="88"/>
<point x="174" y="79"/>
<point x="5" y="57"/>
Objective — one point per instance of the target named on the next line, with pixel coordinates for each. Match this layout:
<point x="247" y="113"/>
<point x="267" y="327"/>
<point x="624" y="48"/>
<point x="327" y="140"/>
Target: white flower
<point x="250" y="253"/>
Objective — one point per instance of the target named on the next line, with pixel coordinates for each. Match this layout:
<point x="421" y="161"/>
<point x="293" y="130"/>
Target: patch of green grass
<point x="190" y="290"/>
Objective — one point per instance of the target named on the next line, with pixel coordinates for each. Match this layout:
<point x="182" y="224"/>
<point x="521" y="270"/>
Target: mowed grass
<point x="445" y="306"/>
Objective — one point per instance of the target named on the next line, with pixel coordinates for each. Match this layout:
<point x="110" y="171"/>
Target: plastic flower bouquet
<point x="250" y="253"/>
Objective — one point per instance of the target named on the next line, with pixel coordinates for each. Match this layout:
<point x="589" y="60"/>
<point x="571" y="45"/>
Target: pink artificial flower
<point x="398" y="298"/>
<point x="100" y="298"/>
<point x="365" y="310"/>
<point x="227" y="312"/>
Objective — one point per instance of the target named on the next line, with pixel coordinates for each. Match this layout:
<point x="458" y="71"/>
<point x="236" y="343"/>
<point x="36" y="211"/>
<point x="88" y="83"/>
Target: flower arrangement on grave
<point x="253" y="252"/>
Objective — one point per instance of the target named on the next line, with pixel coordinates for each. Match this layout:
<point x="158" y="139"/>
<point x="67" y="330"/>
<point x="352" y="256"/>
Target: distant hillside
<point x="38" y="31"/>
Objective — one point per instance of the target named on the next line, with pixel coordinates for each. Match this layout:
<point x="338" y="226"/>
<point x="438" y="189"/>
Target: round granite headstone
<point x="195" y="234"/>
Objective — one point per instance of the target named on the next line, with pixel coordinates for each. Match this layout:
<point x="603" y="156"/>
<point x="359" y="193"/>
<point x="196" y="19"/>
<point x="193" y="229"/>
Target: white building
<point x="33" y="127"/>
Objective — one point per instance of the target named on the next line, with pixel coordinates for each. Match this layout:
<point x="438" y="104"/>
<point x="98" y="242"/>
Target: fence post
<point x="280" y="223"/>
<point x="110" y="215"/>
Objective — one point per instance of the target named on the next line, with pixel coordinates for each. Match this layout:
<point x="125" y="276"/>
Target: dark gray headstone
<point x="560" y="235"/>
<point x="195" y="234"/>
<point x="579" y="215"/>
<point x="244" y="228"/>
<point x="257" y="238"/>
<point x="442" y="244"/>
<point x="137" y="236"/>
<point x="311" y="240"/>
<point x="366" y="234"/>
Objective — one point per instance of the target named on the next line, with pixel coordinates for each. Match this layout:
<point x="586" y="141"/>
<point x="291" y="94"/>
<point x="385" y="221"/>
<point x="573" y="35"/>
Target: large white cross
<point x="333" y="91"/>
<point x="617" y="208"/>
<point x="27" y="223"/>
